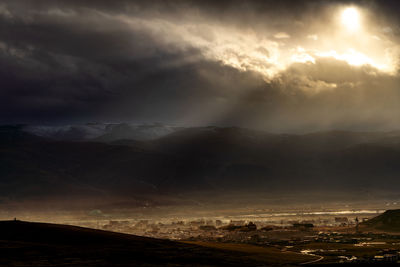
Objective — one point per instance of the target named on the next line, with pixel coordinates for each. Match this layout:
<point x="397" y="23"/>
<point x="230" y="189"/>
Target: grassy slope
<point x="389" y="221"/>
<point x="41" y="244"/>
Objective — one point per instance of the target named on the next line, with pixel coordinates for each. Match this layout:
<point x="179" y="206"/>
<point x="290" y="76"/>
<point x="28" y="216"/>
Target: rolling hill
<point x="389" y="221"/>
<point x="220" y="161"/>
<point x="43" y="244"/>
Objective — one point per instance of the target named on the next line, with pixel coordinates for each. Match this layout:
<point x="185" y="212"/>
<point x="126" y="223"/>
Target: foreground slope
<point x="42" y="244"/>
<point x="389" y="221"/>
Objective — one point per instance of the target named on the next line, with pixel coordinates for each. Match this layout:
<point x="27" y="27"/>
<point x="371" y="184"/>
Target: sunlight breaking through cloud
<point x="270" y="54"/>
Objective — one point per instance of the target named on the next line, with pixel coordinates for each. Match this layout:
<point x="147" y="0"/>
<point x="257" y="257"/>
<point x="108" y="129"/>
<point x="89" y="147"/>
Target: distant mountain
<point x="101" y="131"/>
<point x="125" y="131"/>
<point x="68" y="132"/>
<point x="221" y="161"/>
<point x="389" y="221"/>
<point x="14" y="134"/>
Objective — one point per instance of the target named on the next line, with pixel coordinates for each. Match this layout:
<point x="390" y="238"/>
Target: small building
<point x="251" y="226"/>
<point x="341" y="220"/>
<point x="303" y="226"/>
<point x="391" y="257"/>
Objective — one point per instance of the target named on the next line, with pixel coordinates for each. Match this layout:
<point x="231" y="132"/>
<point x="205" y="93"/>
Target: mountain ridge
<point x="201" y="159"/>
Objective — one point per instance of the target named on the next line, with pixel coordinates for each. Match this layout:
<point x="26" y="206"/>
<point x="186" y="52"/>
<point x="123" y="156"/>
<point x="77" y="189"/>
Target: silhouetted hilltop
<point x="388" y="221"/>
<point x="43" y="244"/>
<point x="15" y="230"/>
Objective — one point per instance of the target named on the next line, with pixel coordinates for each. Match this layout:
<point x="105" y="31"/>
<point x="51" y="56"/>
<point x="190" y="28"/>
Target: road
<point x="313" y="261"/>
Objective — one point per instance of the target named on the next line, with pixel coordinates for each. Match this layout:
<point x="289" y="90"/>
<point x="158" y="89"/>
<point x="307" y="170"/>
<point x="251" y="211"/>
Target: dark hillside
<point x="206" y="159"/>
<point x="43" y="244"/>
<point x="388" y="221"/>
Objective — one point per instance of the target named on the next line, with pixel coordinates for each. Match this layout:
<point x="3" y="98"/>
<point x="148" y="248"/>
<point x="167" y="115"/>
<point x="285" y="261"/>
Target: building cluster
<point x="217" y="229"/>
<point x="290" y="234"/>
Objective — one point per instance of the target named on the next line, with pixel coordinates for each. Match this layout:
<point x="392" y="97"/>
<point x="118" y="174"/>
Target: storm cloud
<point x="281" y="66"/>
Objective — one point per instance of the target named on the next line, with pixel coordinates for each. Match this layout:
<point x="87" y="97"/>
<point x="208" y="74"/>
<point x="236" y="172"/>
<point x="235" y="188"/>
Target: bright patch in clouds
<point x="351" y="18"/>
<point x="312" y="37"/>
<point x="282" y="35"/>
<point x="352" y="57"/>
<point x="254" y="51"/>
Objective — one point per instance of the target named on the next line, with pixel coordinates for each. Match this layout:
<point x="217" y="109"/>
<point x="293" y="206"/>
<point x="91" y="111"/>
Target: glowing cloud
<point x="282" y="35"/>
<point x="351" y="19"/>
<point x="352" y="57"/>
<point x="254" y="51"/>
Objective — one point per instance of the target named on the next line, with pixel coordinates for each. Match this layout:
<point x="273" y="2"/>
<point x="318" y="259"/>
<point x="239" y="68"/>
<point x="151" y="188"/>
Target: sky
<point x="279" y="66"/>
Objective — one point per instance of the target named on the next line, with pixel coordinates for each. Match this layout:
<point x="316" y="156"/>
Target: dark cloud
<point x="141" y="61"/>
